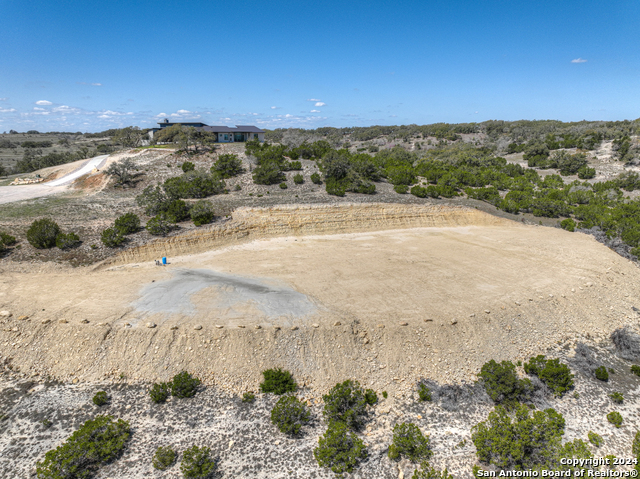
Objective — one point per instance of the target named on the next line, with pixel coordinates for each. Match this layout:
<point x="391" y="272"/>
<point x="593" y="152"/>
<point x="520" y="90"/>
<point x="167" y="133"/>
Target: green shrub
<point x="346" y="403"/>
<point x="283" y="186"/>
<point x="409" y="441"/>
<point x="371" y="397"/>
<point x="502" y="384"/>
<point x="188" y="166"/>
<point x="384" y="394"/>
<point x="228" y="166"/>
<point x="315" y="179"/>
<point x="402" y="189"/>
<point x="101" y="398"/>
<point x="552" y="372"/>
<point x="194" y="184"/>
<point x="197" y="462"/>
<point x="42" y="233"/>
<point x="419" y="191"/>
<point x="277" y="381"/>
<point x="423" y="392"/>
<point x="615" y="418"/>
<point x="528" y="441"/>
<point x="635" y="446"/>
<point x="177" y="211"/>
<point x="268" y="174"/>
<point x="7" y="239"/>
<point x="568" y="224"/>
<point x="127" y="224"/>
<point x="586" y="173"/>
<point x="335" y="187"/>
<point x="164" y="458"/>
<point x="289" y="414"/>
<point x="160" y="225"/>
<point x="617" y="397"/>
<point x="601" y="373"/>
<point x="184" y="385"/>
<point x="248" y="397"/>
<point x="339" y="450"/>
<point x="428" y="472"/>
<point x="202" y="213"/>
<point x="67" y="241"/>
<point x="97" y="442"/>
<point x="635" y="369"/>
<point x="595" y="439"/>
<point x="154" y="200"/>
<point x="292" y="165"/>
<point x="298" y="179"/>
<point x="112" y="238"/>
<point x="160" y="392"/>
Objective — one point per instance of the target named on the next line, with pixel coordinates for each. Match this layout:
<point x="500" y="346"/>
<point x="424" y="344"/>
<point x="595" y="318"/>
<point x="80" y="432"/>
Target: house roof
<point x="237" y="129"/>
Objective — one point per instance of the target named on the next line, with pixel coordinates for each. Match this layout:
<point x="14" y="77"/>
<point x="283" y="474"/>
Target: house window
<point x="226" y="137"/>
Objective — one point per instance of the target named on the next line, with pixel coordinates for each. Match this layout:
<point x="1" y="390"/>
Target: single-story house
<point x="224" y="134"/>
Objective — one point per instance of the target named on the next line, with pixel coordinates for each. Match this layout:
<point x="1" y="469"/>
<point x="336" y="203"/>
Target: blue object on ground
<point x="164" y="260"/>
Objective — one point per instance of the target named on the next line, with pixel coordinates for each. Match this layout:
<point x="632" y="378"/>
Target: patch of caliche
<point x="173" y="296"/>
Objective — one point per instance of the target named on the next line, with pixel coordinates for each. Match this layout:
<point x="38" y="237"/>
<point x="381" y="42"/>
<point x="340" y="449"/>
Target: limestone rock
<point x="454" y="321"/>
<point x="337" y="323"/>
<point x="404" y="323"/>
<point x="257" y="326"/>
<point x="197" y="327"/>
<point x="23" y="318"/>
<point x="315" y="325"/>
<point x="293" y="328"/>
<point x="63" y="321"/>
<point x="219" y="326"/>
<point x="85" y="321"/>
<point x="150" y="325"/>
<point x="46" y="321"/>
<point x="5" y="314"/>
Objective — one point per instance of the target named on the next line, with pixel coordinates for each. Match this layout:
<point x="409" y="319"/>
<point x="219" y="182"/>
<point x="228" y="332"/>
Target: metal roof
<point x="237" y="129"/>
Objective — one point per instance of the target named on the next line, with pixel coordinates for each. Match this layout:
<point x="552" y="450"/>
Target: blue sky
<point x="88" y="65"/>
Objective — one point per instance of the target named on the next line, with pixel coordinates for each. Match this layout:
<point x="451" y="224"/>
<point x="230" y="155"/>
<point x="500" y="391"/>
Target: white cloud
<point x="274" y="107"/>
<point x="579" y="60"/>
<point x="320" y="103"/>
<point x="7" y="110"/>
<point x="38" y="109"/>
<point x="44" y="102"/>
<point x="313" y="99"/>
<point x="183" y="112"/>
<point x="315" y="111"/>
<point x="96" y="84"/>
<point x="159" y="115"/>
<point x="3" y="99"/>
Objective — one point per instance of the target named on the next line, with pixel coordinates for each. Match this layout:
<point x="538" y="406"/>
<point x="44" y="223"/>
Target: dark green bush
<point x="248" y="397"/>
<point x="568" y="224"/>
<point x="339" y="450"/>
<point x="586" y="173"/>
<point x="101" y="398"/>
<point x="616" y="397"/>
<point x="524" y="442"/>
<point x="384" y="394"/>
<point x="315" y="179"/>
<point x="409" y="441"/>
<point x="177" y="211"/>
<point x="615" y="418"/>
<point x="97" y="442"/>
<point x="346" y="403"/>
<point x="7" y="239"/>
<point x="197" y="462"/>
<point x="428" y="472"/>
<point x="601" y="373"/>
<point x="552" y="372"/>
<point x="298" y="179"/>
<point x="289" y="415"/>
<point x="402" y="189"/>
<point x="635" y="445"/>
<point x="228" y="166"/>
<point x="635" y="369"/>
<point x="194" y="184"/>
<point x="184" y="385"/>
<point x="42" y="233"/>
<point x="202" y="213"/>
<point x="127" y="224"/>
<point x="67" y="241"/>
<point x="154" y="200"/>
<point x="595" y="439"/>
<point x="419" y="191"/>
<point x="502" y="384"/>
<point x="283" y="186"/>
<point x="371" y="397"/>
<point x="423" y="392"/>
<point x="164" y="458"/>
<point x="188" y="166"/>
<point x="160" y="225"/>
<point x="268" y="174"/>
<point x="112" y="238"/>
<point x="277" y="381"/>
<point x="160" y="392"/>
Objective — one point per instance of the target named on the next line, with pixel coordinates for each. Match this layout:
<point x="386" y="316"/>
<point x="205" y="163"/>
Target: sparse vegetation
<point x="67" y="240"/>
<point x="601" y="373"/>
<point x="202" y="212"/>
<point x="595" y="439"/>
<point x="101" y="398"/>
<point x="248" y="397"/>
<point x="347" y="403"/>
<point x="316" y="179"/>
<point x="160" y="392"/>
<point x="409" y="441"/>
<point x="289" y="415"/>
<point x="428" y="472"/>
<point x="227" y="166"/>
<point x="278" y="382"/>
<point x="635" y="369"/>
<point x="423" y="392"/>
<point x="617" y="397"/>
<point x="127" y="224"/>
<point x="160" y="225"/>
<point x="502" y="384"/>
<point x="123" y="172"/>
<point x="298" y="179"/>
<point x="112" y="238"/>
<point x="164" y="458"/>
<point x="197" y="463"/>
<point x="97" y="442"/>
<point x="188" y="166"/>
